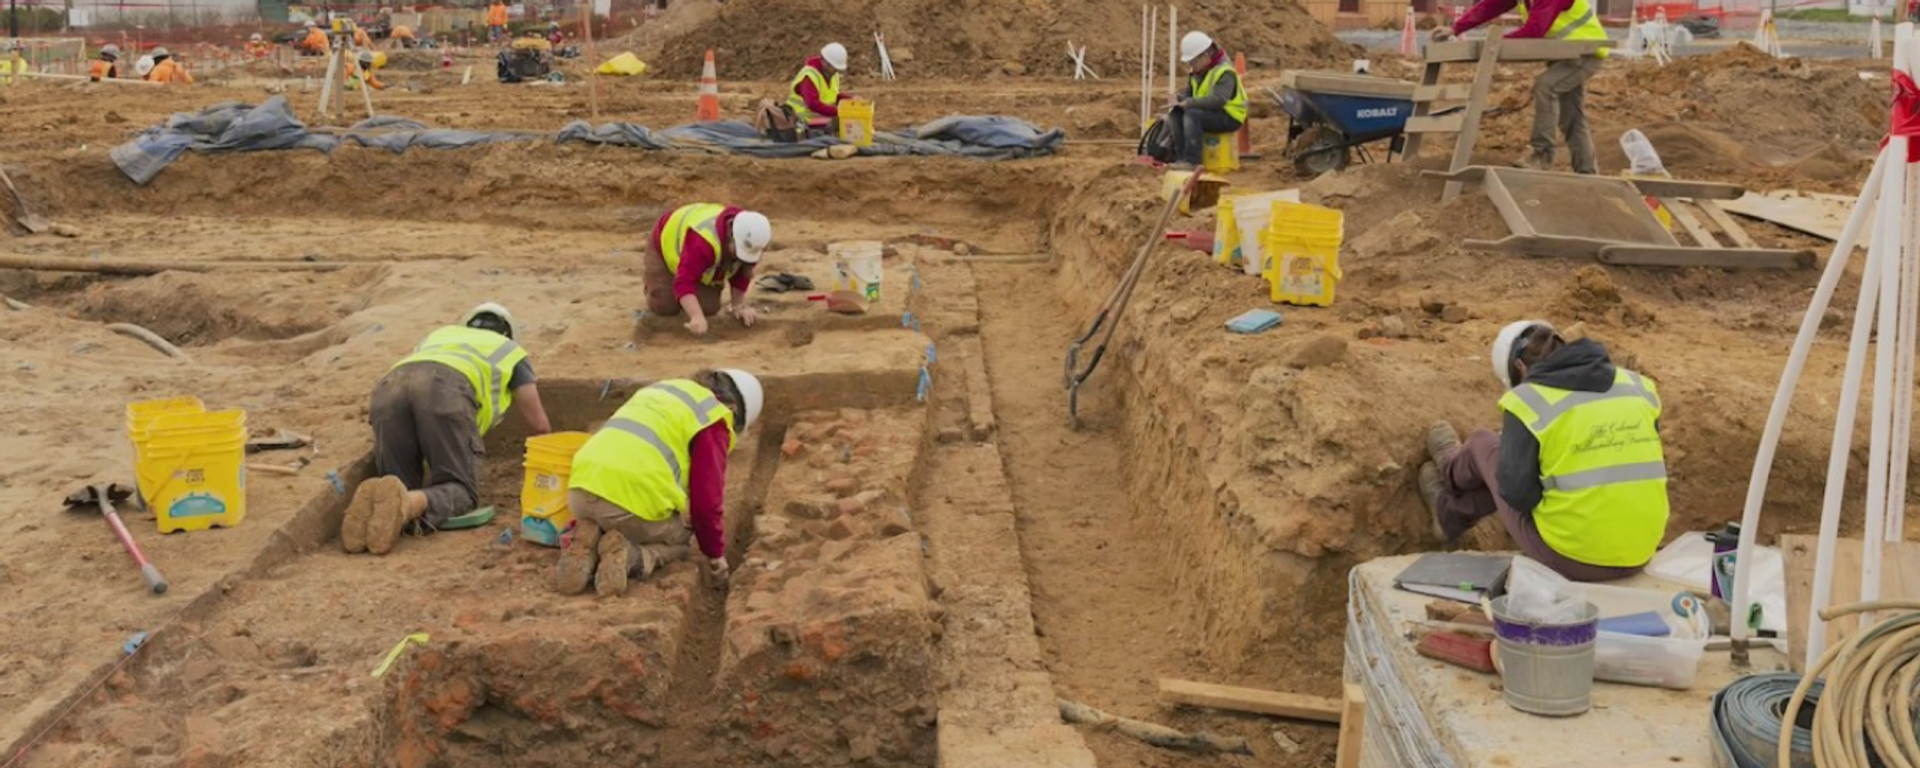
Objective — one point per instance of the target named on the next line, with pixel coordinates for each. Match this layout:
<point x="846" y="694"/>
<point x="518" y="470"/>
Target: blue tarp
<point x="237" y="127"/>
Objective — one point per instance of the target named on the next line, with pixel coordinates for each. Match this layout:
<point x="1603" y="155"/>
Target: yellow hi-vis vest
<point x="640" y="458"/>
<point x="703" y="220"/>
<point x="1602" y="467"/>
<point x="1577" y="22"/>
<point x="486" y="358"/>
<point x="1202" y="87"/>
<point x="827" y="87"/>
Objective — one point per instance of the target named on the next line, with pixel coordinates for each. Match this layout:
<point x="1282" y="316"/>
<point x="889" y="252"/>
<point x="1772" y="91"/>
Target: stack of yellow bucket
<point x="544" y="512"/>
<point x="1302" y="253"/>
<point x="856" y="122"/>
<point x="189" y="463"/>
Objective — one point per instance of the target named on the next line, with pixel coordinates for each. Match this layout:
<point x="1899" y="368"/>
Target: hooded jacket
<point x="1582" y="366"/>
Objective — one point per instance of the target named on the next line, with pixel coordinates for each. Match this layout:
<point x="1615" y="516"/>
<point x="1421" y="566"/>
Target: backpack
<point x="1158" y="141"/>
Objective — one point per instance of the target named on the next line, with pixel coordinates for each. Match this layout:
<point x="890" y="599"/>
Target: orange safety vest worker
<point x="497" y="15"/>
<point x="316" y="42"/>
<point x="102" y="69"/>
<point x="171" y="73"/>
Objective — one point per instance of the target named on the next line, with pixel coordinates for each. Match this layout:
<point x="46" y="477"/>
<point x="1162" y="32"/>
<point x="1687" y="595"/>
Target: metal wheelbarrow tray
<point x="1330" y="113"/>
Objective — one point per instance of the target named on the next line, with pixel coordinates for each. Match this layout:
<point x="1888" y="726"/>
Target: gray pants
<point x="1560" y="102"/>
<point x="426" y="432"/>
<point x="1472" y="493"/>
<point x="665" y="539"/>
<point x="1190" y="127"/>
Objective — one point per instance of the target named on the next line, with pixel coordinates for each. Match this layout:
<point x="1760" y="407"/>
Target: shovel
<point x="102" y="498"/>
<point x="33" y="222"/>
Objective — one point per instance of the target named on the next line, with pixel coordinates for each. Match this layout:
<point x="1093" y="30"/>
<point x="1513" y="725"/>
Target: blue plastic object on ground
<point x="1254" y="321"/>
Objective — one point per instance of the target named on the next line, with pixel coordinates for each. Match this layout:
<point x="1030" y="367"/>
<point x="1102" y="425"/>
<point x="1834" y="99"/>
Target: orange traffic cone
<point x="1407" y="47"/>
<point x="709" y="109"/>
<point x="1245" y="138"/>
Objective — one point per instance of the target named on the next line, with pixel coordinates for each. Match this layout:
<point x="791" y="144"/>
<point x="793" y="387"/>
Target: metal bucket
<point x="1547" y="669"/>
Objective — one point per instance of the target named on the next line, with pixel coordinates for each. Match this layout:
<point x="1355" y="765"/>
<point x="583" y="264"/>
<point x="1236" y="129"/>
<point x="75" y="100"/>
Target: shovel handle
<point x="155" y="581"/>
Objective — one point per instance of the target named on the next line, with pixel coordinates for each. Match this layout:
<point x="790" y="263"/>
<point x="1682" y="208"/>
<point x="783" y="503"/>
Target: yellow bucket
<point x="141" y="414"/>
<point x="856" y="122"/>
<point x="544" y="513"/>
<point x="1302" y="253"/>
<point x="191" y="469"/>
<point x="1220" y="152"/>
<point x="1226" y="233"/>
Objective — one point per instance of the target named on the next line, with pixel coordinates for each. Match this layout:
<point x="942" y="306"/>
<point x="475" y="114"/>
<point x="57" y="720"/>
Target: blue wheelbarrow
<point x="1330" y="115"/>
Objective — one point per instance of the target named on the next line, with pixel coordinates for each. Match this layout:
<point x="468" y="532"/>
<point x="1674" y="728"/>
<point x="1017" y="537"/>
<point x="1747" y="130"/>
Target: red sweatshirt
<point x="1540" y="15"/>
<point x="811" y="94"/>
<point x="696" y="257"/>
<point x="707" y="489"/>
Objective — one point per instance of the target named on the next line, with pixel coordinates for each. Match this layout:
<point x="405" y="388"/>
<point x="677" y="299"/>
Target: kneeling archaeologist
<point x="653" y="478"/>
<point x="429" y="414"/>
<point x="1577" y="473"/>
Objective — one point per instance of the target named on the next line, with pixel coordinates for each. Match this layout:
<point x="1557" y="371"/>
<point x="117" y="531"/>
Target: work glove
<point x="717" y="569"/>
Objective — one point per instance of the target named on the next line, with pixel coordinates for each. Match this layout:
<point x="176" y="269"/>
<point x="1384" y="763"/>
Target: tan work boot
<point x="1534" y="161"/>
<point x="574" y="570"/>
<point x="616" y="563"/>
<point x="353" y="527"/>
<point x="389" y="513"/>
<point x="1431" y="486"/>
<point x="1441" y="441"/>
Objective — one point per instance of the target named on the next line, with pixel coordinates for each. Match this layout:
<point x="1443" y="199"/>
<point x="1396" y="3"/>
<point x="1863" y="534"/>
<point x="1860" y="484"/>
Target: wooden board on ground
<point x="1899" y="578"/>
<point x="1291" y="705"/>
<point x="1817" y="214"/>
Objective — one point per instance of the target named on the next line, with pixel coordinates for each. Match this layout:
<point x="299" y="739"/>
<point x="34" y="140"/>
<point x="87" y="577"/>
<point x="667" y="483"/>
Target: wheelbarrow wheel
<point x="1324" y="155"/>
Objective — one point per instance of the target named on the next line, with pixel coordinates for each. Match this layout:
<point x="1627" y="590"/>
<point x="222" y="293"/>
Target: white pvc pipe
<point x="1173" y="51"/>
<point x="1886" y="239"/>
<point x="1783" y="396"/>
<point x="1841" y="451"/>
<point x="1903" y="363"/>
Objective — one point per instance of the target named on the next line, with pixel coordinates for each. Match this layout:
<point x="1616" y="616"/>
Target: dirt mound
<point x="768" y="40"/>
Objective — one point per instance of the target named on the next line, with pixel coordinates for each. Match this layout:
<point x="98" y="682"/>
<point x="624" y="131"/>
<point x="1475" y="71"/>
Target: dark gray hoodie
<point x="1582" y="366"/>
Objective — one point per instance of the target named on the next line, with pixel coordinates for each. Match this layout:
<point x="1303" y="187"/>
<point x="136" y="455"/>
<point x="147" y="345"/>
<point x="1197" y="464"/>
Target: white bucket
<point x="856" y="267"/>
<point x="1250" y="214"/>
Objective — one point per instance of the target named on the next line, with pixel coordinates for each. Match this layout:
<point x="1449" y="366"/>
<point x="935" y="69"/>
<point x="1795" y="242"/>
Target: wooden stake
<point x="1173" y="51"/>
<point x="1353" y="728"/>
<point x="593" y="59"/>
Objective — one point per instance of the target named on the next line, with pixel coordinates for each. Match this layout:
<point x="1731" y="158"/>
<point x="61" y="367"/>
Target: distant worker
<point x="258" y="47"/>
<point x="813" y="96"/>
<point x="107" y="66"/>
<point x="360" y="38"/>
<point x="1215" y="100"/>
<point x="653" y="478"/>
<point x="315" y="43"/>
<point x="8" y="51"/>
<point x="166" y="70"/>
<point x="368" y="62"/>
<point x="402" y="36"/>
<point x="554" y="35"/>
<point x="695" y="252"/>
<point x="1577" y="474"/>
<point x="1560" y="94"/>
<point x="497" y="21"/>
<point x="429" y="415"/>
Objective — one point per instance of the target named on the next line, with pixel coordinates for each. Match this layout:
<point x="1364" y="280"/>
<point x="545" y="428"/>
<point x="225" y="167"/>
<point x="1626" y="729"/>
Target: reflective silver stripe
<point x="1594" y="478"/>
<point x="1568" y="30"/>
<point x="1544" y="413"/>
<point x="646" y="433"/>
<point x="702" y="408"/>
<point x="497" y="385"/>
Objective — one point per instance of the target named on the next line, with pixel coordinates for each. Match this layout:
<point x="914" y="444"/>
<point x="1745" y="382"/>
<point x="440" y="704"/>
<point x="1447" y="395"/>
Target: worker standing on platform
<point x="1215" y="102"/>
<point x="1577" y="473"/>
<point x="1560" y="94"/>
<point x="497" y="21"/>
<point x="107" y="66"/>
<point x="813" y="96"/>
<point x="654" y="478"/>
<point x="694" y="253"/>
<point x="166" y="70"/>
<point x="429" y="414"/>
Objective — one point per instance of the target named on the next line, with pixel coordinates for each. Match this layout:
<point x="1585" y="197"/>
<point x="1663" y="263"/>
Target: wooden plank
<point x="1899" y="578"/>
<point x="1428" y="124"/>
<point x="1430" y="76"/>
<point x="1353" y="727"/>
<point x="1476" y="105"/>
<point x="1447" y="92"/>
<point x="1724" y="258"/>
<point x="1517" y="50"/>
<point x="1701" y="190"/>
<point x="1820" y="215"/>
<point x="1346" y="84"/>
<point x="1735" y="233"/>
<point x="1197" y="694"/>
<point x="1691" y="223"/>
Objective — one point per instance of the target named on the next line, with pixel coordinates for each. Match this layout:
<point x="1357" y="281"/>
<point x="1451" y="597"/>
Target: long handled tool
<point x="33" y="222"/>
<point x="1108" y="318"/>
<point x="102" y="498"/>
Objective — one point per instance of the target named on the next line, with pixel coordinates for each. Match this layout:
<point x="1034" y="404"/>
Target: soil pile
<point x="768" y="40"/>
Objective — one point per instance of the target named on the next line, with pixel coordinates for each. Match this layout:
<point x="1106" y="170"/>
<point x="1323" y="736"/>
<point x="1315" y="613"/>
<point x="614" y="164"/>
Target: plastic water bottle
<point x="1640" y="154"/>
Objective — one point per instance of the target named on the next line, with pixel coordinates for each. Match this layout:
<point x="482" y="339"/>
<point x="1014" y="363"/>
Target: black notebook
<point x="1462" y="576"/>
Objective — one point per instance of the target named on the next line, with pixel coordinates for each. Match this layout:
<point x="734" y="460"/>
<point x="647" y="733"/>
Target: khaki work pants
<point x="1560" y="103"/>
<point x="665" y="539"/>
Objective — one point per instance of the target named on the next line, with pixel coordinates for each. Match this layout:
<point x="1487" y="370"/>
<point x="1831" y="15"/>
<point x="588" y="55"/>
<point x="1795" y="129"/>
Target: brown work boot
<point x="579" y="553"/>
<point x="353" y="527"/>
<point x="1431" y="486"/>
<point x="1535" y="161"/>
<point x="387" y="514"/>
<point x="616" y="560"/>
<point x="1441" y="441"/>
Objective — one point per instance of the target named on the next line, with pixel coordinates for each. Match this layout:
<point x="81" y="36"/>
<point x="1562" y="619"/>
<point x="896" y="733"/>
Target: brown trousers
<point x="426" y="432"/>
<point x="1472" y="494"/>
<point x="659" y="284"/>
<point x="667" y="539"/>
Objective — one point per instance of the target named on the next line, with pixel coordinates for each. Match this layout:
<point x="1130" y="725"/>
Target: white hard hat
<point x="1194" y="44"/>
<point x="160" y="51"/>
<point x="143" y="66"/>
<point x="752" y="397"/>
<point x="751" y="233"/>
<point x="311" y="25"/>
<point x="254" y="36"/>
<point x="836" y="55"/>
<point x="1503" y="348"/>
<point x="489" y="308"/>
<point x="110" y="50"/>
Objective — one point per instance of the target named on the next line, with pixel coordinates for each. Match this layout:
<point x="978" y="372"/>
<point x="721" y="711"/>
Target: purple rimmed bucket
<point x="1546" y="669"/>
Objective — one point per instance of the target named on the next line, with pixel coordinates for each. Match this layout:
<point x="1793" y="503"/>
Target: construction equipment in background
<point x="101" y="498"/>
<point x="1108" y="318"/>
<point x="526" y="59"/>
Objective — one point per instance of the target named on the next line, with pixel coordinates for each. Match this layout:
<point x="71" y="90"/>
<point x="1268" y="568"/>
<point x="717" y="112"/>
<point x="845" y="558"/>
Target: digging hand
<point x="747" y="316"/>
<point x="698" y="326"/>
<point x="718" y="570"/>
